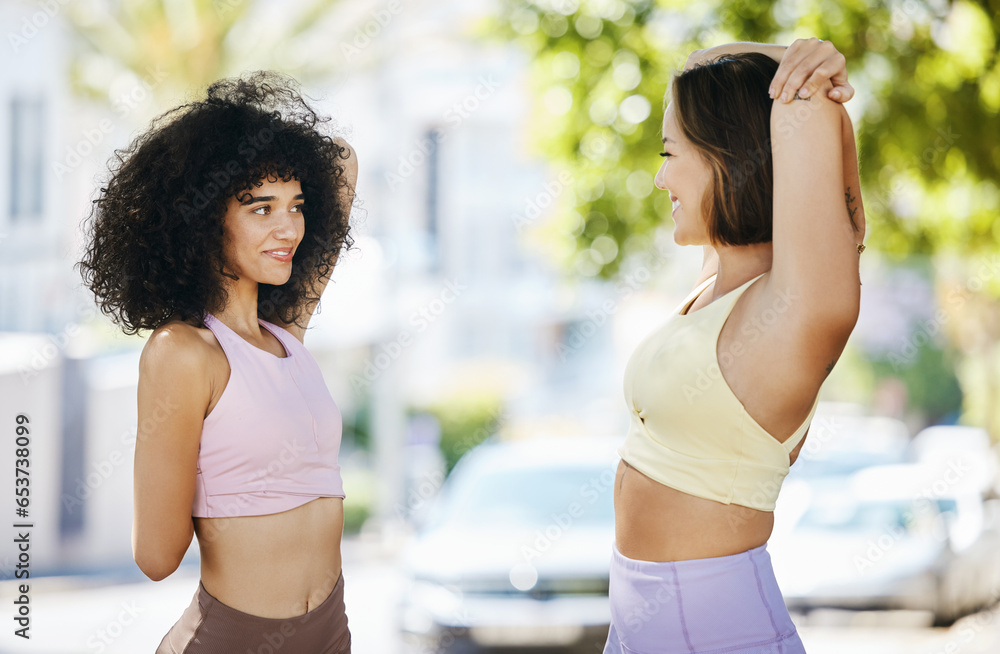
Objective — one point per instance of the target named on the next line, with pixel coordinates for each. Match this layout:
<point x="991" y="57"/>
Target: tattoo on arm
<point x="830" y="367"/>
<point x="851" y="211"/>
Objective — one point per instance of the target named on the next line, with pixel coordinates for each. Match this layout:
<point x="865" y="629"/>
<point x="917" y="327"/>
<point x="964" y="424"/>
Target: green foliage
<point x="927" y="77"/>
<point x="360" y="500"/>
<point x="466" y="421"/>
<point x="126" y="51"/>
<point x="358" y="426"/>
<point x="928" y="372"/>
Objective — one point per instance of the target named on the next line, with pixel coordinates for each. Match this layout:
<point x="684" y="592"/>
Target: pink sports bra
<point x="271" y="442"/>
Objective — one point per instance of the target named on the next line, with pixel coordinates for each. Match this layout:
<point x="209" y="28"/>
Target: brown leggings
<point x="208" y="626"/>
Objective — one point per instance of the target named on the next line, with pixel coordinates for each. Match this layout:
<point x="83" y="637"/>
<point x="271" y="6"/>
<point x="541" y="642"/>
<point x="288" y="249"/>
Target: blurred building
<point x="439" y="276"/>
<point x="440" y="293"/>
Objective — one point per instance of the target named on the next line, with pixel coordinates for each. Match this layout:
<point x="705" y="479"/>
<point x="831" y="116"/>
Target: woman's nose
<point x="659" y="180"/>
<point x="286" y="226"/>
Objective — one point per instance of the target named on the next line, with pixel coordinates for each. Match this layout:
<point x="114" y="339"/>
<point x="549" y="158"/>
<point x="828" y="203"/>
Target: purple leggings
<point x="720" y="605"/>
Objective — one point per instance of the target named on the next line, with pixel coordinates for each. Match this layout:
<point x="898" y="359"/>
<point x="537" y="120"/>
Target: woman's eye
<point x="297" y="208"/>
<point x="666" y="154"/>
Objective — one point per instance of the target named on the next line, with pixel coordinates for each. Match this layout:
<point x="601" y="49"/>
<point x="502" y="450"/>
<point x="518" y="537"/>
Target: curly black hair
<point x="155" y="241"/>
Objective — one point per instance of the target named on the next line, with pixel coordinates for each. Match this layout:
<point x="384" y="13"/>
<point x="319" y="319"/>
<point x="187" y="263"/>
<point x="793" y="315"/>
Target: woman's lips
<point x="277" y="254"/>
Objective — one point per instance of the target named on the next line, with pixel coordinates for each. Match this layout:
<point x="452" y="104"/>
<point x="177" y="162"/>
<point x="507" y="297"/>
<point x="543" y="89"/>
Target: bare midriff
<point x="654" y="522"/>
<point x="273" y="566"/>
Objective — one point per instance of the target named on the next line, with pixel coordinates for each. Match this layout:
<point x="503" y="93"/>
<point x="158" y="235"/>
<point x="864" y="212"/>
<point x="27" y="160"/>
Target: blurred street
<point x="79" y="615"/>
<point x="515" y="241"/>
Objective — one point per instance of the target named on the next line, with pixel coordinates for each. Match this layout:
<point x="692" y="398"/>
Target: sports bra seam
<point x="312" y="416"/>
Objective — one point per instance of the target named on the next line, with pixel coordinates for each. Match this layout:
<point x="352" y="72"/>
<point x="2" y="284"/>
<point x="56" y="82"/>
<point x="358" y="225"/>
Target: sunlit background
<point x="511" y="251"/>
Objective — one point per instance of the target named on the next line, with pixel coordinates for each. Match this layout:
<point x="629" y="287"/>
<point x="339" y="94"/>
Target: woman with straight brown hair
<point x="759" y="160"/>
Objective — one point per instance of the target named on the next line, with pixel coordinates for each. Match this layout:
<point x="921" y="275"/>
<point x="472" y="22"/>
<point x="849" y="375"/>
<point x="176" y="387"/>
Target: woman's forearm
<point x="773" y="51"/>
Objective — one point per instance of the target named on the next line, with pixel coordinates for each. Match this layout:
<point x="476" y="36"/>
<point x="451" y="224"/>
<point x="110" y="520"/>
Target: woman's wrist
<point x="772" y="50"/>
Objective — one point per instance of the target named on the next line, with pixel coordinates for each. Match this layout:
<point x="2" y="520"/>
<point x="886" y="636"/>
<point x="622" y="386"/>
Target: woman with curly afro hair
<point x="218" y="230"/>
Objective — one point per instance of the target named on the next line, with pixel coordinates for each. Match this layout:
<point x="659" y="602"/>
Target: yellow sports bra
<point x="688" y="429"/>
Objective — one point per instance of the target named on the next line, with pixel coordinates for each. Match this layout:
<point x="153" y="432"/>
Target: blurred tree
<point x="930" y="380"/>
<point x="170" y="49"/>
<point x="928" y="80"/>
<point x="467" y="419"/>
<point x="358" y="424"/>
<point x="927" y="76"/>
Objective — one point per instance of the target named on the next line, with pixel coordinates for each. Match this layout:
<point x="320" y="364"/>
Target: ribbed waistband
<point x="206" y="600"/>
<point x="691" y="566"/>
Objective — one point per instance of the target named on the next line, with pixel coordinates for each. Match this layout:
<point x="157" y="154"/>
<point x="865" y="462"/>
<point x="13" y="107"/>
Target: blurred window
<point x="433" y="138"/>
<point x="26" y="123"/>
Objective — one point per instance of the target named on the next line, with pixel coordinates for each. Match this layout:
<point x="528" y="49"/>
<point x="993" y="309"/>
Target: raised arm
<point x="320" y="282"/>
<point x="806" y="63"/>
<point x="351" y="177"/>
<point x="852" y="178"/>
<point x="803" y="66"/>
<point x="815" y="254"/>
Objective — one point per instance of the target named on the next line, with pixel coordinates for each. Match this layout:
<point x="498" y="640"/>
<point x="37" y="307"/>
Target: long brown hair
<point x="723" y="109"/>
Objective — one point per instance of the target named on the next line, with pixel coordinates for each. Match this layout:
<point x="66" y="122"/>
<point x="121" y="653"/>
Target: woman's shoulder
<point x="176" y="370"/>
<point x="177" y="342"/>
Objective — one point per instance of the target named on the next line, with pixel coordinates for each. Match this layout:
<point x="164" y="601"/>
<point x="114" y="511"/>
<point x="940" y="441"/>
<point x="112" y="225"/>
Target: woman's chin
<point x="681" y="237"/>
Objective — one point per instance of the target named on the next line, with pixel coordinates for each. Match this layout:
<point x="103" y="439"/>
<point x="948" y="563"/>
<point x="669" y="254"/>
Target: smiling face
<point x="263" y="226"/>
<point x="686" y="176"/>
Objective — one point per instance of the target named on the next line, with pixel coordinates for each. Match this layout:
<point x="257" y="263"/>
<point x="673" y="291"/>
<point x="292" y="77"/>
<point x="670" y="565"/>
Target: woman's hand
<point x="806" y="64"/>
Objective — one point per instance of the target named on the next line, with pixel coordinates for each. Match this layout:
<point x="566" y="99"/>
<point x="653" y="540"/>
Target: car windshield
<point x="530" y="497"/>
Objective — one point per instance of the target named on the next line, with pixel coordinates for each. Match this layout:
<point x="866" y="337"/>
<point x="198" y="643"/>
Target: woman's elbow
<point x="156" y="567"/>
<point x="156" y="560"/>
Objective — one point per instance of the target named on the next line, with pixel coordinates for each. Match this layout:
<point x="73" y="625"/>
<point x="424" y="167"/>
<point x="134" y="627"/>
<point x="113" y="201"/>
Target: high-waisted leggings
<point x="208" y="626"/>
<point x="719" y="605"/>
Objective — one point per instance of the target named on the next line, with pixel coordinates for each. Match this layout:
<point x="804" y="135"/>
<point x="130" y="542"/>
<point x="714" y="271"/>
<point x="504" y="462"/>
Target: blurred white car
<point x="516" y="549"/>
<point x="838" y="444"/>
<point x="886" y="537"/>
<point x="968" y="451"/>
